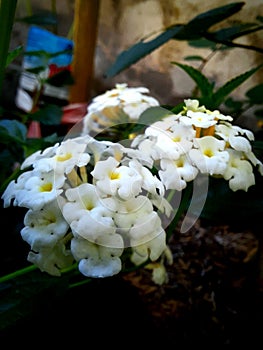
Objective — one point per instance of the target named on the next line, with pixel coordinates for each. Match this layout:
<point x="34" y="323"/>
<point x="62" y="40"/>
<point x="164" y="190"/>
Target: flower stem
<point x="181" y="209"/>
<point x="18" y="273"/>
<point x="77" y="284"/>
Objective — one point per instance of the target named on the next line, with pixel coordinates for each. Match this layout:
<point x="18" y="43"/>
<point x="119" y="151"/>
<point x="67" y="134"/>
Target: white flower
<point x="239" y="172"/>
<point x="119" y="105"/>
<point x="193" y="105"/>
<point x="171" y="142"/>
<point x="44" y="227"/>
<point x="198" y="119"/>
<point x="151" y="249"/>
<point x="33" y="158"/>
<point x="34" y="189"/>
<point x="130" y="211"/>
<point x="88" y="215"/>
<point x="175" y="174"/>
<point x="52" y="259"/>
<point x="68" y="154"/>
<point x="100" y="259"/>
<point x="230" y="135"/>
<point x="159" y="273"/>
<point x="209" y="157"/>
<point x="256" y="162"/>
<point x="150" y="183"/>
<point x="111" y="178"/>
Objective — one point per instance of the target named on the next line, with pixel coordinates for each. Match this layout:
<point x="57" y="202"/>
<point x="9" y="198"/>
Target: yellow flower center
<point x="179" y="163"/>
<point x="64" y="157"/>
<point x="47" y="187"/>
<point x="89" y="205"/>
<point x="114" y="175"/>
<point x="208" y="152"/>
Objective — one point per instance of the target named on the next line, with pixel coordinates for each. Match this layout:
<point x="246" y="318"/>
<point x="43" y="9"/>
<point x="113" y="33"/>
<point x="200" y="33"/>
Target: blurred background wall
<point x="122" y="23"/>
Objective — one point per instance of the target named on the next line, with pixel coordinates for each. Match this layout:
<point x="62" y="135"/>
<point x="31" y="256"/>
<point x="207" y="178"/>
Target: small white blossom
<point x="198" y="119"/>
<point x="239" y="172"/>
<point x="89" y="215"/>
<point x="44" y="227"/>
<point x="231" y="135"/>
<point x="100" y="259"/>
<point x="175" y="174"/>
<point x="120" y="105"/>
<point x="111" y="178"/>
<point x="33" y="189"/>
<point x="209" y="156"/>
<point x="52" y="259"/>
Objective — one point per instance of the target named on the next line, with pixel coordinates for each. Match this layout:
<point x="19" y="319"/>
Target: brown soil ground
<point x="213" y="295"/>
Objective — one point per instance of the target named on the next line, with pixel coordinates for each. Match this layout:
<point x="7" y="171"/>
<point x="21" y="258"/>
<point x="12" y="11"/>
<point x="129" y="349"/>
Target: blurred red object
<point x="54" y="69"/>
<point x="34" y="130"/>
<point x="74" y="113"/>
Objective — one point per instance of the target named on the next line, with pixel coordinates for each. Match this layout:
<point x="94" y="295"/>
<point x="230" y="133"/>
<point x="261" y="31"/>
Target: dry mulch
<point x="213" y="295"/>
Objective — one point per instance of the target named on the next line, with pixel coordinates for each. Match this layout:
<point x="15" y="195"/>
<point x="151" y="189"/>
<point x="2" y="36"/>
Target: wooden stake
<point x="85" y="25"/>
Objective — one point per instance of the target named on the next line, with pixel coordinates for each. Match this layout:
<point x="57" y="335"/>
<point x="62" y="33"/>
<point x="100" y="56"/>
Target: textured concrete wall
<point x="123" y="22"/>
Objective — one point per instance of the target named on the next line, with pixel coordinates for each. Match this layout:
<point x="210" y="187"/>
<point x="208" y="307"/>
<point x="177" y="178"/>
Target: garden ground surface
<point x="214" y="296"/>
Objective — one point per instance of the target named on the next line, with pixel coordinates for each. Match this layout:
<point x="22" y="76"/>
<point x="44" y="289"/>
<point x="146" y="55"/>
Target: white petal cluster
<point x="121" y="104"/>
<point x="103" y="205"/>
<point x="198" y="140"/>
<point x="89" y="202"/>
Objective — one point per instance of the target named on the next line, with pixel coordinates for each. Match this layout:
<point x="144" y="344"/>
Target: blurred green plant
<point x="15" y="142"/>
<point x="199" y="33"/>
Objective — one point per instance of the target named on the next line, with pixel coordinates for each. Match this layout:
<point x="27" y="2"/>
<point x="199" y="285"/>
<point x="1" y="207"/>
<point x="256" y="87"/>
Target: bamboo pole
<point x="86" y="13"/>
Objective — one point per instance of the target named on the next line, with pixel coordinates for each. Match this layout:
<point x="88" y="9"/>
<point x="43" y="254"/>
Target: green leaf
<point x="224" y="205"/>
<point x="153" y="114"/>
<point x="21" y="296"/>
<point x="13" y="54"/>
<point x="204" y="21"/>
<point x="35" y="144"/>
<point x="46" y="54"/>
<point x="231" y="85"/>
<point x="178" y="108"/>
<point x="255" y="94"/>
<point x="12" y="131"/>
<point x="205" y="87"/>
<point x="234" y="32"/>
<point x="139" y="50"/>
<point x="232" y="104"/>
<point x="36" y="70"/>
<point x="203" y="44"/>
<point x="48" y="115"/>
<point x="191" y="31"/>
<point x="194" y="58"/>
<point x="7" y="13"/>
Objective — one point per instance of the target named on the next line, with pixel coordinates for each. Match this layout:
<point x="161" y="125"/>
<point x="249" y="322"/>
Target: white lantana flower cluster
<point x="103" y="205"/>
<point x="88" y="201"/>
<point x="198" y="140"/>
<point x="123" y="104"/>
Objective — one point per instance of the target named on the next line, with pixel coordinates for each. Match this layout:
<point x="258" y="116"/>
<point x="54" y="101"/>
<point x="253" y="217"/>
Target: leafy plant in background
<point x="198" y="33"/>
<point x="21" y="290"/>
<point x="16" y="142"/>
